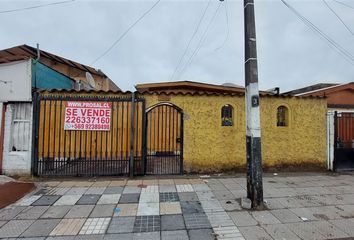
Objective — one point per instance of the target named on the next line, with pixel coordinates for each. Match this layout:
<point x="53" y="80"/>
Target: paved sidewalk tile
<point x="170" y="208"/>
<point x="68" y="227"/>
<point x="196" y="221"/>
<point x="280" y="231"/>
<point x="126" y="210"/>
<point x="56" y="212"/>
<point x="264" y="217"/>
<point x="129" y="198"/>
<point x="14" y="228"/>
<point x="131" y="189"/>
<point x="167" y="188"/>
<point x="181" y="181"/>
<point x="121" y="225"/>
<point x="119" y="236"/>
<point x="82" y="184"/>
<point x="113" y="190"/>
<point x="150" y="189"/>
<point x="102" y="211"/>
<point x="201" y="187"/>
<point x="169" y="197"/>
<point x="174" y="235"/>
<point x="212" y="206"/>
<point x="10" y="212"/>
<point x="109" y="199"/>
<point x="206" y="196"/>
<point x="147" y="224"/>
<point x="77" y="191"/>
<point x="117" y="183"/>
<point x="58" y="191"/>
<point x="26" y="201"/>
<point x="41" y="228"/>
<point x="184" y="188"/>
<point x="172" y="222"/>
<point x="201" y="234"/>
<point x="146" y="236"/>
<point x="191" y="207"/>
<point x="346" y="225"/>
<point x="32" y="212"/>
<point x="230" y="232"/>
<point x="79" y="211"/>
<point x="101" y="184"/>
<point x="149" y="197"/>
<point x="254" y="232"/>
<point x="305" y="230"/>
<point x="230" y="205"/>
<point x="188" y="196"/>
<point x="46" y="200"/>
<point x="285" y="215"/>
<point x="2" y="223"/>
<point x="242" y="218"/>
<point x="151" y="182"/>
<point x="134" y="182"/>
<point x="219" y="219"/>
<point x="95" y="226"/>
<point x="67" y="200"/>
<point x="95" y="190"/>
<point x="166" y="182"/>
<point x="88" y="199"/>
<point x="66" y="184"/>
<point x="148" y="209"/>
<point x="329" y="230"/>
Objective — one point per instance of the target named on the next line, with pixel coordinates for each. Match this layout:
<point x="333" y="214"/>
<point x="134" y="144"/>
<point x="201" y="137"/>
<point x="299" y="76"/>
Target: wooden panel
<point x="56" y="143"/>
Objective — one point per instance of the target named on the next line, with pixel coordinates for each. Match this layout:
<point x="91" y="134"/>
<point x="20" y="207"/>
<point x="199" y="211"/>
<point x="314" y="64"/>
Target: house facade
<point x="340" y="121"/>
<point x="173" y="131"/>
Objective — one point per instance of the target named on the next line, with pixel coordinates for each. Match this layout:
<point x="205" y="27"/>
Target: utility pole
<point x="253" y="127"/>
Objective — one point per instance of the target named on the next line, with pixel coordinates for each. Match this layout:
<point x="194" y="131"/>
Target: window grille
<point x="20" y="127"/>
<point x="282" y="116"/>
<point x="226" y="115"/>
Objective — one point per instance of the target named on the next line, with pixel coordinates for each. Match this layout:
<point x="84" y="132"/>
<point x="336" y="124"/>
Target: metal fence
<point x="95" y="152"/>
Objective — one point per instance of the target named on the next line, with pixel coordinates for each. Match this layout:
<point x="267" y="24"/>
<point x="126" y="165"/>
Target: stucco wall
<point x="208" y="146"/>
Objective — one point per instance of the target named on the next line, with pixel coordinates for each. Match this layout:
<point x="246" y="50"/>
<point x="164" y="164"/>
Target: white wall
<point x="330" y="134"/>
<point x="15" y="81"/>
<point x="15" y="162"/>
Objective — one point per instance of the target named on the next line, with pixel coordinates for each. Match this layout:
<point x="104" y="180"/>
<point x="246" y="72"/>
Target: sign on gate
<point x="92" y="116"/>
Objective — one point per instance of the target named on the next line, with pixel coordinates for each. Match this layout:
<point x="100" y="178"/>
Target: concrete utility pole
<point x="253" y="127"/>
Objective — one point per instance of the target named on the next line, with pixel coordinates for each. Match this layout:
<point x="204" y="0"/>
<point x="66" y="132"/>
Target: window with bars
<point x="20" y="127"/>
<point x="226" y="115"/>
<point x="282" y="116"/>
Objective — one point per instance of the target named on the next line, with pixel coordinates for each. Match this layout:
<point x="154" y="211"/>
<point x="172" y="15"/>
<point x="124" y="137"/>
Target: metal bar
<point x="131" y="164"/>
<point x="181" y="144"/>
<point x="144" y="139"/>
<point x="35" y="133"/>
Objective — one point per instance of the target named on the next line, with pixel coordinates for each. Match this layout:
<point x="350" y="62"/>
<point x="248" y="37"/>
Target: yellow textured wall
<point x="208" y="146"/>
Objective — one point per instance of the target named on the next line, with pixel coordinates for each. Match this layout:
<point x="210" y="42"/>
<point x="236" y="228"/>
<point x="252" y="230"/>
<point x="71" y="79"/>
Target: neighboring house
<point x="23" y="71"/>
<point x="340" y="121"/>
<point x="69" y="68"/>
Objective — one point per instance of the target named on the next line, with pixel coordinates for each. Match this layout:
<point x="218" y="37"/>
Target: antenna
<point x="90" y="80"/>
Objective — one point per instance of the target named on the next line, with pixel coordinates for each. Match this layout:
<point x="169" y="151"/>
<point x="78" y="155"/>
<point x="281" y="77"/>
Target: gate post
<point x="144" y="136"/>
<point x="35" y="129"/>
<point x="131" y="162"/>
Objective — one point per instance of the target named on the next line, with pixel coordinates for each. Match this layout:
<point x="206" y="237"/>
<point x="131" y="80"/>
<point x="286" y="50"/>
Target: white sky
<point x="290" y="54"/>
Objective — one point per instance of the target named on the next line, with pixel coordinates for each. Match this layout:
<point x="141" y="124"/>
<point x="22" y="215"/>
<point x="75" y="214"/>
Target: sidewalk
<point x="316" y="206"/>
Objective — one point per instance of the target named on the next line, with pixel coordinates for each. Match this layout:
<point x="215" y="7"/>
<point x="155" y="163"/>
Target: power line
<point x="36" y="6"/>
<point x="190" y="40"/>
<point x="125" y="32"/>
<point x="333" y="44"/>
<point x="339" y="18"/>
<point x="228" y="28"/>
<point x="201" y="41"/>
<point x="344" y="4"/>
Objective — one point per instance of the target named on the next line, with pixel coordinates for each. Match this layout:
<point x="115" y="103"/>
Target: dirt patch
<point x="10" y="192"/>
